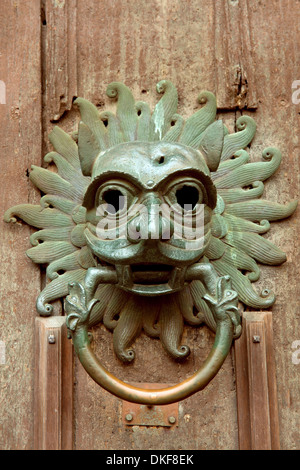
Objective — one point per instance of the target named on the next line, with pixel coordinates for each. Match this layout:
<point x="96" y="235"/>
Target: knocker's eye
<point x="113" y="199"/>
<point x="188" y="196"/>
<point x="185" y="195"/>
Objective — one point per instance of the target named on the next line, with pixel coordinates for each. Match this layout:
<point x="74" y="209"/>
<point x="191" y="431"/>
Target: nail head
<point x="51" y="339"/>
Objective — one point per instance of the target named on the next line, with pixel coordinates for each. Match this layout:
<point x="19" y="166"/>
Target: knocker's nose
<point x="150" y="223"/>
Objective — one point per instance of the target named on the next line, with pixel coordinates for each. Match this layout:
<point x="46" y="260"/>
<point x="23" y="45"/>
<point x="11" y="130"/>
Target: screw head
<point x="172" y="419"/>
<point x="51" y="339"/>
<point x="256" y="339"/>
<point x="129" y="417"/>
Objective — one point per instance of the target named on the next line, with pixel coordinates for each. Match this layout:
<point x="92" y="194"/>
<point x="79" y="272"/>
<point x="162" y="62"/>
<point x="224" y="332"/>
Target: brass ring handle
<point x="223" y="303"/>
<point x="195" y="383"/>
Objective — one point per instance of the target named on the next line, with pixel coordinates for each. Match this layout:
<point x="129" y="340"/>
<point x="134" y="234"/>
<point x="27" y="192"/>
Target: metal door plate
<point x="134" y="414"/>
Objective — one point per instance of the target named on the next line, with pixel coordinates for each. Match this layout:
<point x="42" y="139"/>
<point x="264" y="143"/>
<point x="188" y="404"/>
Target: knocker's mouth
<point x="146" y="273"/>
<point x="150" y="279"/>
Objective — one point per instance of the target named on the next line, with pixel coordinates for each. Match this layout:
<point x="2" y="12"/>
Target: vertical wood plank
<point x="67" y="400"/>
<point x="234" y="67"/>
<point x="59" y="56"/>
<point x="53" y="386"/>
<point x="272" y="382"/>
<point x="242" y="390"/>
<point x="256" y="384"/>
<point x="20" y="147"/>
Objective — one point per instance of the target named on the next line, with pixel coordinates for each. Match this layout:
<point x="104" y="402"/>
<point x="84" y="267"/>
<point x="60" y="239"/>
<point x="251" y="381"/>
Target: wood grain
<point x="53" y="397"/>
<point x="234" y="67"/>
<point x="20" y="146"/>
<point x="59" y="57"/>
<point x="256" y="384"/>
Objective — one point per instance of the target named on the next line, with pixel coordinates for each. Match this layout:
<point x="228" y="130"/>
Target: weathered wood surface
<point x="198" y="45"/>
<point x="20" y="146"/>
<point x="53" y="384"/>
<point x="256" y="388"/>
<point x="59" y="56"/>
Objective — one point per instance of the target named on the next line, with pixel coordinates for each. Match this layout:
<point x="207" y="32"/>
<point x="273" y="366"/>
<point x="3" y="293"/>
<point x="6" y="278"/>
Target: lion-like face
<point x="149" y="210"/>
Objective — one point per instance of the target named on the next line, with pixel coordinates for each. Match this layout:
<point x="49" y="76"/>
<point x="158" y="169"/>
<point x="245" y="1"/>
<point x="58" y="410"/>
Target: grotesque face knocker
<point x="153" y="221"/>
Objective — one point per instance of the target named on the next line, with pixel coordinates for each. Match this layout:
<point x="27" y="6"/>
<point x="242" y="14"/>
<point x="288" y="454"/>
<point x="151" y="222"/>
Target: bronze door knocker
<point x="150" y="222"/>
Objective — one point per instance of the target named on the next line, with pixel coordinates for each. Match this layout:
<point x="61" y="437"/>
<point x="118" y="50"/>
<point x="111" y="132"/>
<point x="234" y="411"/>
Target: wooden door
<point x="247" y="54"/>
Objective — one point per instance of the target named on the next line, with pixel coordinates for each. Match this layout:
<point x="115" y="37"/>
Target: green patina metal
<point x="154" y="285"/>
